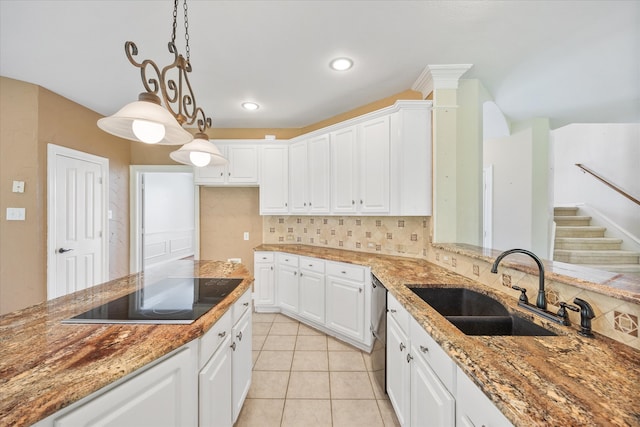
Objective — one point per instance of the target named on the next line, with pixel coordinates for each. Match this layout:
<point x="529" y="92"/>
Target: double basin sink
<point x="475" y="313"/>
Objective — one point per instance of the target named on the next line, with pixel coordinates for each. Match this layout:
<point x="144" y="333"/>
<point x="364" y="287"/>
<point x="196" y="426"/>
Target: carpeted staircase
<point x="578" y="242"/>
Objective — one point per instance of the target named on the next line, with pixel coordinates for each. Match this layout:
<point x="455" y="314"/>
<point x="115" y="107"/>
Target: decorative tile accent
<point x="299" y="220"/>
<point x="311" y="240"/>
<point x="378" y="223"/>
<point x="280" y="220"/>
<point x="317" y="231"/>
<point x="325" y="221"/>
<point x="378" y="248"/>
<point x="506" y="280"/>
<point x="400" y="223"/>
<point x="358" y="222"/>
<point x="333" y="232"/>
<point x="367" y="234"/>
<point x="454" y="262"/>
<point x="311" y="220"/>
<point x="389" y="236"/>
<point x="272" y="229"/>
<point x="627" y="323"/>
<point x="340" y="243"/>
<point x="358" y="245"/>
<point x="476" y="270"/>
<point x="349" y="233"/>
<point x="305" y="231"/>
<point x="437" y="256"/>
<point x="341" y="221"/>
<point x="298" y="239"/>
<point x="281" y="239"/>
<point x="290" y="230"/>
<point x="414" y="237"/>
<point x="553" y="297"/>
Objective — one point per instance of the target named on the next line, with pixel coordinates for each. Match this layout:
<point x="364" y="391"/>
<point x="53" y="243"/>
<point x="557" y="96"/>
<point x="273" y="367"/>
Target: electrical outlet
<point x="18" y="187"/>
<point x="246" y="235"/>
<point x="16" y="214"/>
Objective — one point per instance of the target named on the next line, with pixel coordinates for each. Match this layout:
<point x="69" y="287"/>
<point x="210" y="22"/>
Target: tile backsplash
<point x="402" y="236"/>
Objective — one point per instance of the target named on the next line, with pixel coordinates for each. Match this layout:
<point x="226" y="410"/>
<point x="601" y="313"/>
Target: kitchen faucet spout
<point x="541" y="301"/>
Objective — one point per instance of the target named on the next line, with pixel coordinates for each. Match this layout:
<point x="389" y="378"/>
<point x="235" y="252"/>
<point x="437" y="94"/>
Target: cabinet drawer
<point x="242" y="305"/>
<point x="260" y="257"/>
<point x="210" y="341"/>
<point x="288" y="259"/>
<point x="398" y="312"/>
<point x="312" y="264"/>
<point x="434" y="355"/>
<point x="346" y="271"/>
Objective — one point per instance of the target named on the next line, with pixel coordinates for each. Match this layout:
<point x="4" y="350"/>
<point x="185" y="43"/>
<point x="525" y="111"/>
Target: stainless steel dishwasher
<point x="379" y="331"/>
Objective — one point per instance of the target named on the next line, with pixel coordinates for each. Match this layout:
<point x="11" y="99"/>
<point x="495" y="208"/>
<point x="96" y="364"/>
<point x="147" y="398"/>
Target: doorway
<point x="164" y="209"/>
<point x="77" y="203"/>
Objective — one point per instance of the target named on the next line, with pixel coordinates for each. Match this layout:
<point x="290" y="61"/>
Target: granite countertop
<point x="46" y="365"/>
<point x="552" y="380"/>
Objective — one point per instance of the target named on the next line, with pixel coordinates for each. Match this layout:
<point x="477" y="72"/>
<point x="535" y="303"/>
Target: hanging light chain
<point x="186" y="31"/>
<point x="175" y="21"/>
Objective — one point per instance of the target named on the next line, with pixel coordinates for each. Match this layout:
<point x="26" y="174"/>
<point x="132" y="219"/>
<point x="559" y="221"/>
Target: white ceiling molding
<point x="443" y="76"/>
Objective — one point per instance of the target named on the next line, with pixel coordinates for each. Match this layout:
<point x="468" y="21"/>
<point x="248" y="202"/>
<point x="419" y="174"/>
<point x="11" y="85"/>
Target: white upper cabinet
<point x="242" y="169"/>
<point x="309" y="178"/>
<point x="318" y="174"/>
<point x="344" y="171"/>
<point x="298" y="198"/>
<point x="374" y="153"/>
<point x="274" y="179"/>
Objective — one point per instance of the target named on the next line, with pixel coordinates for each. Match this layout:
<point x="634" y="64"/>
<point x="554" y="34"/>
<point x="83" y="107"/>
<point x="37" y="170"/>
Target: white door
<point x="312" y="304"/>
<point x="77" y="235"/>
<point x="345" y="307"/>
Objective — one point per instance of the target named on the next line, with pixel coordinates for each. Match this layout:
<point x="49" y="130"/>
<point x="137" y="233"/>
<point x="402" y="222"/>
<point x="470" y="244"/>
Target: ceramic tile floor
<point x="302" y="377"/>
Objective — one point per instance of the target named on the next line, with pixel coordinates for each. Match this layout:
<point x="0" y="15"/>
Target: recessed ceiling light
<point x="341" y="64"/>
<point x="250" y="106"/>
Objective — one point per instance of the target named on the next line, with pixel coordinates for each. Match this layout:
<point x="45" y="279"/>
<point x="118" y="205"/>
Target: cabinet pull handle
<point x="409" y="357"/>
<point x="301" y="274"/>
<point x="295" y="273"/>
<point x="402" y="346"/>
<point x="360" y="290"/>
<point x="424" y="349"/>
<point x="309" y="203"/>
<point x="239" y="336"/>
<point x="392" y="310"/>
<point x="222" y="334"/>
<point x="264" y="257"/>
<point x="229" y="173"/>
<point x="272" y="268"/>
<point x="286" y="204"/>
<point x="353" y="202"/>
<point x="246" y="304"/>
<point x="360" y="201"/>
<point x="343" y="272"/>
<point x="310" y="265"/>
<point x="305" y="203"/>
<point x="233" y="346"/>
<point x="221" y="173"/>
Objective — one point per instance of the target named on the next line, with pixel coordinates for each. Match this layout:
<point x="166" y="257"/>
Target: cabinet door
<point x="430" y="400"/>
<point x="243" y="164"/>
<point x="318" y="167"/>
<point x="345" y="307"/>
<point x="312" y="296"/>
<point x="163" y="395"/>
<point x="298" y="177"/>
<point x="288" y="288"/>
<point x="274" y="180"/>
<point x="473" y="407"/>
<point x="215" y="174"/>
<point x="344" y="171"/>
<point x="241" y="362"/>
<point x="264" y="284"/>
<point x="398" y="372"/>
<point x="215" y="386"/>
<point x="374" y="152"/>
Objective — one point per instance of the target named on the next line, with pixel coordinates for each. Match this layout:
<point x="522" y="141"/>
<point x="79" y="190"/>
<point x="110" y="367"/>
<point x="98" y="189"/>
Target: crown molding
<point x="444" y="76"/>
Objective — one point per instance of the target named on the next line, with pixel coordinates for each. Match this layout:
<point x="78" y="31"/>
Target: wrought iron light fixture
<point x="147" y="120"/>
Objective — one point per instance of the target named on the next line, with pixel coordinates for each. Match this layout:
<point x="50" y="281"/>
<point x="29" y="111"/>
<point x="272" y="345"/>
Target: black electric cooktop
<point x="170" y="301"/>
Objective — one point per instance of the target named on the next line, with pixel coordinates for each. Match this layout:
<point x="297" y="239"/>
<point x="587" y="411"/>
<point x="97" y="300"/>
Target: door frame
<point x="57" y="150"/>
<point x="487" y="207"/>
<point x="136" y="206"/>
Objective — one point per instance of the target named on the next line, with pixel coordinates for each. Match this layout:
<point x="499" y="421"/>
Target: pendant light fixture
<point x="148" y="120"/>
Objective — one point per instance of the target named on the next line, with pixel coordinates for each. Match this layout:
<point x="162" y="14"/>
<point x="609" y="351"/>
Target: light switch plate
<point x="16" y="214"/>
<point x="18" y="187"/>
<point x="246" y="235"/>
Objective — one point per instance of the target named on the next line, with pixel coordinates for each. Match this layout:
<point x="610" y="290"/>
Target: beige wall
<point x="225" y="214"/>
<point x="30" y="118"/>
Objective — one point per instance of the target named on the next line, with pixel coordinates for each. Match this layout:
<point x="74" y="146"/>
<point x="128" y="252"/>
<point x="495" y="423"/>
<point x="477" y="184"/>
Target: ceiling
<point x="571" y="61"/>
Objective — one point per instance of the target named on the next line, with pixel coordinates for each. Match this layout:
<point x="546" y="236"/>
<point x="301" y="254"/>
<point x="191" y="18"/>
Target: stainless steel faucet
<point x="541" y="301"/>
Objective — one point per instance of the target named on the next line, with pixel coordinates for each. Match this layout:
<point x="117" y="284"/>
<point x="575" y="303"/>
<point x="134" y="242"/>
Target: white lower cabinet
<point x="265" y="281"/>
<point x="241" y="362"/>
<point x="165" y="394"/>
<point x="424" y="385"/>
<point x="474" y="409"/>
<point x="312" y="290"/>
<point x="287" y="283"/>
<point x="398" y="371"/>
<point x="214" y="384"/>
<point x="345" y="307"/>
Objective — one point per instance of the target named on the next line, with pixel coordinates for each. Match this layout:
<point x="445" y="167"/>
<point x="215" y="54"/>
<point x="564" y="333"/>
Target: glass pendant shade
<point x="146" y="121"/>
<point x="199" y="152"/>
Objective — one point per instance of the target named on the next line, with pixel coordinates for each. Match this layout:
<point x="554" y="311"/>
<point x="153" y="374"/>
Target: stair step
<point x="596" y="257"/>
<point x="618" y="268"/>
<point x="580" y="231"/>
<point x="563" y="220"/>
<point x="565" y="211"/>
<point x="588" y="243"/>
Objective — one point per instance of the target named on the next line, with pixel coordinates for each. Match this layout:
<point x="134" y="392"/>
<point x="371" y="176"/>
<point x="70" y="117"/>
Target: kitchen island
<point x="46" y="365"/>
<point x="533" y="380"/>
